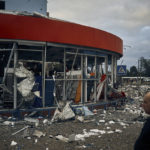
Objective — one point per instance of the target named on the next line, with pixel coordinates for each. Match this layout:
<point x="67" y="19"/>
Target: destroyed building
<point x="45" y="60"/>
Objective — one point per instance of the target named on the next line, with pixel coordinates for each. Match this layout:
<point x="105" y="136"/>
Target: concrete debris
<point x="123" y="124"/>
<point x="110" y="132"/>
<point x="86" y="146"/>
<point x="83" y="146"/>
<point x="62" y="138"/>
<point x="89" y="120"/>
<point x="98" y="131"/>
<point x="32" y="120"/>
<point x="13" y="143"/>
<point x="36" y="140"/>
<point x="108" y="128"/>
<point x="38" y="133"/>
<point x="111" y="122"/>
<point x="45" y="121"/>
<point x="80" y="118"/>
<point x="102" y="121"/>
<point x="118" y="131"/>
<point x="80" y="137"/>
<point x="92" y="132"/>
<point x="9" y="123"/>
<point x="50" y="136"/>
<point x="104" y="111"/>
<point x="72" y="138"/>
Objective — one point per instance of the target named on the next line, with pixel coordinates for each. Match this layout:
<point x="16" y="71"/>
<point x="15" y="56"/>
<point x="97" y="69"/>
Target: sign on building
<point x="121" y="70"/>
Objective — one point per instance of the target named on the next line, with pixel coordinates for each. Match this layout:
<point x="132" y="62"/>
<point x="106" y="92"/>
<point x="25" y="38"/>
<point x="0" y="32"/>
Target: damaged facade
<point x="45" y="61"/>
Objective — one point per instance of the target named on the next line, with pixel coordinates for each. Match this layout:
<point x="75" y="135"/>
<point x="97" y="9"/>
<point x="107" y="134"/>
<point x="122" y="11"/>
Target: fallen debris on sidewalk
<point x="62" y="138"/>
<point x="9" y="123"/>
<point x="13" y="143"/>
<point x="66" y="113"/>
<point x="32" y="120"/>
<point x="38" y="133"/>
<point x="80" y="118"/>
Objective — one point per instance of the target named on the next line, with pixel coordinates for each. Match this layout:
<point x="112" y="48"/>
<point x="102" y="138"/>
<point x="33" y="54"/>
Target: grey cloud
<point x="125" y="18"/>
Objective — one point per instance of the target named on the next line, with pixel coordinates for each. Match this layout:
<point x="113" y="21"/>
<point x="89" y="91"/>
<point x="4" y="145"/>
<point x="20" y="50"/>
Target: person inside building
<point x="143" y="141"/>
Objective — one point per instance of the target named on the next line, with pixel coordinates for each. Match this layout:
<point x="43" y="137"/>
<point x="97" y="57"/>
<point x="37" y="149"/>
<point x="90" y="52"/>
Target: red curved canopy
<point x="51" y="30"/>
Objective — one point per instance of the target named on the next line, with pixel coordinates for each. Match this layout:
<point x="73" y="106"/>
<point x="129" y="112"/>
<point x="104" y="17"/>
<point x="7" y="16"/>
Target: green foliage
<point x="143" y="68"/>
<point x="145" y="63"/>
<point x="133" y="71"/>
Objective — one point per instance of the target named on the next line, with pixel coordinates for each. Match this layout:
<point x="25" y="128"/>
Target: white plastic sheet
<point x="66" y="113"/>
<point x="25" y="87"/>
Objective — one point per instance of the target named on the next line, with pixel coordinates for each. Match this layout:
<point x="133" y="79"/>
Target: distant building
<point x="30" y="6"/>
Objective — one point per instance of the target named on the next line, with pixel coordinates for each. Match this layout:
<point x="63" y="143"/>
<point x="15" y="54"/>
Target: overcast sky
<point x="129" y="19"/>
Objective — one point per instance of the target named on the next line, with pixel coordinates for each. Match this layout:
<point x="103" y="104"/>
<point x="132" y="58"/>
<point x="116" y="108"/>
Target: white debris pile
<point x="111" y="122"/>
<point x="13" y="143"/>
<point x="135" y="91"/>
<point x="11" y="123"/>
<point x="135" y="94"/>
<point x="62" y="138"/>
<point x="32" y="121"/>
<point x="92" y="132"/>
<point x="118" y="131"/>
<point x="38" y="133"/>
<point x="134" y="109"/>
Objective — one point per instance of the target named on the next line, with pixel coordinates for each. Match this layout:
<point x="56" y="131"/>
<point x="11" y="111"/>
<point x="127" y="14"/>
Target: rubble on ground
<point x="112" y="122"/>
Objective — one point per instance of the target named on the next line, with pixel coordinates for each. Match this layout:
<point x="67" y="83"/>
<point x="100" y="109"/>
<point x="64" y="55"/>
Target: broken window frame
<point x="45" y="45"/>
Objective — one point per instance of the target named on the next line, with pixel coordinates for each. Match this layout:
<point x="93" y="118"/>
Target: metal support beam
<point x="85" y="76"/>
<point x="82" y="82"/>
<point x="43" y="73"/>
<point x="95" y="82"/>
<point x="64" y="86"/>
<point x="115" y="69"/>
<point x="106" y="82"/>
<point x="8" y="64"/>
<point x="112" y="71"/>
<point x="15" y="78"/>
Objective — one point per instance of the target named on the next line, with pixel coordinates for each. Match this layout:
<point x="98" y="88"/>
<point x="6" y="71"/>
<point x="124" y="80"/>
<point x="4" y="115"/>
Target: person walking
<point x="143" y="141"/>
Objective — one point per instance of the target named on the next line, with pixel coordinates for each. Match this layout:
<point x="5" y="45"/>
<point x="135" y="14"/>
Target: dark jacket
<point x="143" y="141"/>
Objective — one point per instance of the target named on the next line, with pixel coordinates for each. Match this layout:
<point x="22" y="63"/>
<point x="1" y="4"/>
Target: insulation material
<point x="25" y="87"/>
<point x="22" y="72"/>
